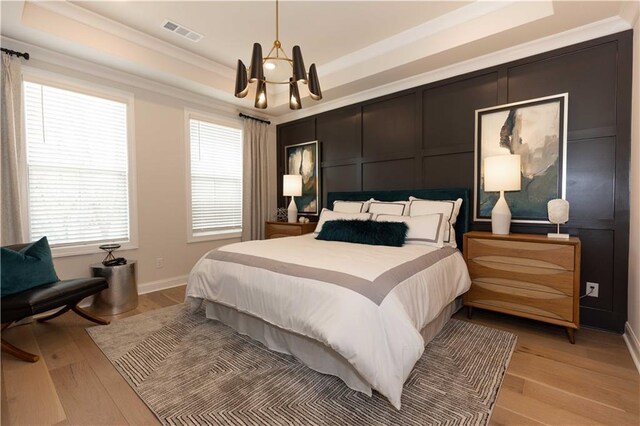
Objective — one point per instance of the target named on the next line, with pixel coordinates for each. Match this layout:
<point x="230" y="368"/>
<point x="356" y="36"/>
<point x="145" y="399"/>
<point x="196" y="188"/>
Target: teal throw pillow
<point x="364" y="232"/>
<point x="30" y="267"/>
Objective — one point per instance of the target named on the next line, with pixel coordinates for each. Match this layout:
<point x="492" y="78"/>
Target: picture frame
<point x="535" y="129"/>
<point x="304" y="159"/>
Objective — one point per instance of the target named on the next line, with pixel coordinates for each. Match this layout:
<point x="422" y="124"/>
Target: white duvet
<point x="379" y="337"/>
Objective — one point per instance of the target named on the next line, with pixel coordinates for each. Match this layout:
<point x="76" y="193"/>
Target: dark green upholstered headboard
<point x="462" y="224"/>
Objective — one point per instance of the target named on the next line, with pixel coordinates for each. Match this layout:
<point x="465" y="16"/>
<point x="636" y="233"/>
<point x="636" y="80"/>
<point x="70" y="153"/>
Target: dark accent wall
<point x="424" y="138"/>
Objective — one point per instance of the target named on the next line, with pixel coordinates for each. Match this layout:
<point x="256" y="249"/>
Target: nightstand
<point x="286" y="229"/>
<point x="531" y="276"/>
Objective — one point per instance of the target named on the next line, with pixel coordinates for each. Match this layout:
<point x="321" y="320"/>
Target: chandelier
<point x="278" y="68"/>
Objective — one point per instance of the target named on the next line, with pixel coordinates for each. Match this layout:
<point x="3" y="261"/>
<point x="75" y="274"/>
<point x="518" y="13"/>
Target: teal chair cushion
<point x="31" y="266"/>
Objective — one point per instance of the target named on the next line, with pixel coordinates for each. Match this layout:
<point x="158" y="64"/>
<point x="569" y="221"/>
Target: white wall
<point x="161" y="183"/>
<point x="632" y="332"/>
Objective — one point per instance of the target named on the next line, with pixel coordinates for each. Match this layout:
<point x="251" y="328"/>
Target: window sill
<point x="214" y="236"/>
<point x="81" y="250"/>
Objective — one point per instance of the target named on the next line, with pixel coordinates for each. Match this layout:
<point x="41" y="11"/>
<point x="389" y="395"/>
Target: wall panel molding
<point x="424" y="138"/>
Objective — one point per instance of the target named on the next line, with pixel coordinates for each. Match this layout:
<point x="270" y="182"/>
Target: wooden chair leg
<point x="18" y="353"/>
<point x="88" y="316"/>
<point x="55" y="314"/>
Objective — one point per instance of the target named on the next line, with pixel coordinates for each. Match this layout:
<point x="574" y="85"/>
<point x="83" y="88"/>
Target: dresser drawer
<point x="544" y="304"/>
<point x="522" y="276"/>
<point x="540" y="255"/>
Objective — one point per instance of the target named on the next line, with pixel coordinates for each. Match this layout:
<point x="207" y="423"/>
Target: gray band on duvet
<point x="375" y="290"/>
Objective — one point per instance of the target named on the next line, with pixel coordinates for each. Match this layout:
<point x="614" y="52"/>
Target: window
<point x="216" y="179"/>
<point x="77" y="167"/>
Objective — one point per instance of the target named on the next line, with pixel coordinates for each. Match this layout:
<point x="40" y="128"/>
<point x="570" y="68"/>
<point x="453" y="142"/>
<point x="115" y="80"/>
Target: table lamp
<point x="501" y="173"/>
<point x="292" y="187"/>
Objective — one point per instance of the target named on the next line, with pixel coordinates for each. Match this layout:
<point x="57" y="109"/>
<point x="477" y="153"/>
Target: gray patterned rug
<point x="190" y="370"/>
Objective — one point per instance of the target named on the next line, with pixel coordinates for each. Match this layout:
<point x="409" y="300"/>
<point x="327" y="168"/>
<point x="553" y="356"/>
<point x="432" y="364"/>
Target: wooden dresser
<point x="286" y="229"/>
<point x="531" y="276"/>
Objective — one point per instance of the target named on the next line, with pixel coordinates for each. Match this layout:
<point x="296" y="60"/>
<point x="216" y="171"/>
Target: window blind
<point x="77" y="166"/>
<point x="216" y="177"/>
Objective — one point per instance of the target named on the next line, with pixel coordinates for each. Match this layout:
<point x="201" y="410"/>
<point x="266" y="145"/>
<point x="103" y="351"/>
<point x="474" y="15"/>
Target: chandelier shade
<point x="294" y="95"/>
<point x="261" y="95"/>
<point x="314" y="84"/>
<point x="257" y="72"/>
<point x="299" y="73"/>
<point x="280" y="70"/>
<point x="242" y="85"/>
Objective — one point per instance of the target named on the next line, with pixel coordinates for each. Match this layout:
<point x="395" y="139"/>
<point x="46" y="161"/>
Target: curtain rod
<point x="25" y="55"/>
<point x="254" y="118"/>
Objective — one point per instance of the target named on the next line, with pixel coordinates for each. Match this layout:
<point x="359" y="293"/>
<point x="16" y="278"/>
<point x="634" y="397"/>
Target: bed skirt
<point x="312" y="353"/>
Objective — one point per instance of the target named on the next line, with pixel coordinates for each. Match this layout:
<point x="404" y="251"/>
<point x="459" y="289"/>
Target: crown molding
<point x="630" y="11"/>
<point x="52" y="61"/>
<point x="210" y="97"/>
<point x="479" y="19"/>
<point x="454" y="19"/>
<point x="587" y="32"/>
<point x="80" y="14"/>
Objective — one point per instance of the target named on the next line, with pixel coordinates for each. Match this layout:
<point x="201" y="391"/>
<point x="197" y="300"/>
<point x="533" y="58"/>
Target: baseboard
<point x="152" y="286"/>
<point x="631" y="340"/>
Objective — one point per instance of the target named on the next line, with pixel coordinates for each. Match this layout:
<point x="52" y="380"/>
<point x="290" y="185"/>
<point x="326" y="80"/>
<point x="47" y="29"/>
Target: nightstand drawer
<point x="522" y="276"/>
<point x="556" y="306"/>
<point x="541" y="255"/>
<point x="286" y="229"/>
<point x="277" y="231"/>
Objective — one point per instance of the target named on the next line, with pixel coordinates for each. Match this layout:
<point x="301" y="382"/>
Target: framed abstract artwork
<point x="303" y="159"/>
<point x="536" y="130"/>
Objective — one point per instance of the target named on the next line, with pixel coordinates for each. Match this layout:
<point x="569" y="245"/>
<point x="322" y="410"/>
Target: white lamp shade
<point x="502" y="173"/>
<point x="292" y="185"/>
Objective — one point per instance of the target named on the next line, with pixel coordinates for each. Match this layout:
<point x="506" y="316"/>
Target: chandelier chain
<point x="277" y="25"/>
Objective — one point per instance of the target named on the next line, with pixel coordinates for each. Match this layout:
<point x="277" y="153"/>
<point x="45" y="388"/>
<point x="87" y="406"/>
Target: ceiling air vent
<point x="181" y="30"/>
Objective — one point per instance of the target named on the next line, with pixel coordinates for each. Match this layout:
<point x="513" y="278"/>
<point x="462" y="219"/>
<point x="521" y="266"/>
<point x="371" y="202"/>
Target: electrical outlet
<point x="592" y="289"/>
<point x="159" y="262"/>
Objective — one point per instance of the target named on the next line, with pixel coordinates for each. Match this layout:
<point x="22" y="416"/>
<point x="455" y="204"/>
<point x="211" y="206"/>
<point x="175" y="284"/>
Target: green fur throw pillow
<point x="364" y="232"/>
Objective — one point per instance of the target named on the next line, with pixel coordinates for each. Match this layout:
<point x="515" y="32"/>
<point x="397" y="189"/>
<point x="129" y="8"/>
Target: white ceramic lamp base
<point x="501" y="217"/>
<point x="292" y="211"/>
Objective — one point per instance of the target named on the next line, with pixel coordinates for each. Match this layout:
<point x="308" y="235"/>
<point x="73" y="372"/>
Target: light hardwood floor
<point x="549" y="381"/>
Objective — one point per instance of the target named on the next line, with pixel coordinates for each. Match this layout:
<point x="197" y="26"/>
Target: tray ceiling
<point x="357" y="46"/>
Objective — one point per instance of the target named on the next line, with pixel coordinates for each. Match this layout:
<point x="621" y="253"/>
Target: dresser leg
<point x="571" y="335"/>
<point x="469" y="311"/>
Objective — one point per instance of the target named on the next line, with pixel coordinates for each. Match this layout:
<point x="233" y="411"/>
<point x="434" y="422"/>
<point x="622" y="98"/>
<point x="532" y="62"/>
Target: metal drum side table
<point x="122" y="294"/>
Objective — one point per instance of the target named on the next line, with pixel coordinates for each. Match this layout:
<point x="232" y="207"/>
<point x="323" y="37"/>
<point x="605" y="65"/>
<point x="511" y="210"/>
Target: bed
<point x="362" y="313"/>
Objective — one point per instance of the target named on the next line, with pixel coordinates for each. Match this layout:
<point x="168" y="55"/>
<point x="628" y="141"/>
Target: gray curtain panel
<point x="13" y="229"/>
<point x="255" y="180"/>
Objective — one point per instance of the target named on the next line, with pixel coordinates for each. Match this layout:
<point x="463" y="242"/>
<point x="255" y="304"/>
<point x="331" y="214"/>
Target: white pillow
<point x="397" y="208"/>
<point x="450" y="208"/>
<point x="426" y="230"/>
<point x="327" y="214"/>
<point x="350" y="206"/>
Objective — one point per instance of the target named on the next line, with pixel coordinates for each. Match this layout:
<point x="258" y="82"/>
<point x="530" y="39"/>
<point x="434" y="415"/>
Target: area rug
<point x="195" y="371"/>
